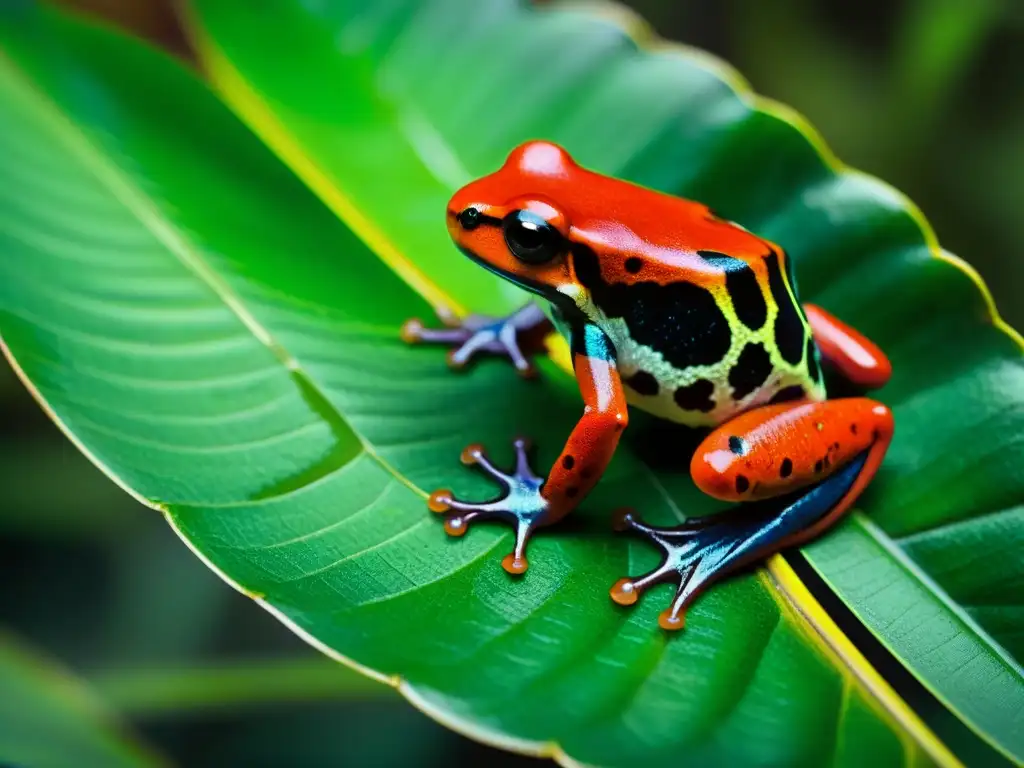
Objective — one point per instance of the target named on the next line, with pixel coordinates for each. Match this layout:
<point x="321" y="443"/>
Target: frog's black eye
<point x="470" y="218"/>
<point x="531" y="238"/>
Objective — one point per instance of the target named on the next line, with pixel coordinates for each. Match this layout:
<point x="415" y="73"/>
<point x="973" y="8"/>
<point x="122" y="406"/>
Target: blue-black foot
<point x="517" y="337"/>
<point x="521" y="505"/>
<point x="703" y="550"/>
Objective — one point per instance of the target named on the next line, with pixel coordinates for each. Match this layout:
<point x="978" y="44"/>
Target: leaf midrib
<point x="954" y="609"/>
<point x="909" y="567"/>
<point x="150" y="215"/>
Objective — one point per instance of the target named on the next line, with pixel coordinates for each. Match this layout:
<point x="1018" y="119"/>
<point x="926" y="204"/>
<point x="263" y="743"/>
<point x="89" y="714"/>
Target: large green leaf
<point x="49" y="720"/>
<point x="223" y="347"/>
<point x="383" y="111"/>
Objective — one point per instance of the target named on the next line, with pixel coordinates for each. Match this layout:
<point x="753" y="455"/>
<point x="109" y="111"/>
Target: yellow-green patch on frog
<point x="698" y="345"/>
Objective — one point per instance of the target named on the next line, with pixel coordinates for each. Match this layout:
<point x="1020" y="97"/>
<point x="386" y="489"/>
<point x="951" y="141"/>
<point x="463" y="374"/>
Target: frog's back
<point x="704" y="316"/>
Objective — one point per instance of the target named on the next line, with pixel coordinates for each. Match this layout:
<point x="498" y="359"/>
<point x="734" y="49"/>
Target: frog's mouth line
<point x="546" y="291"/>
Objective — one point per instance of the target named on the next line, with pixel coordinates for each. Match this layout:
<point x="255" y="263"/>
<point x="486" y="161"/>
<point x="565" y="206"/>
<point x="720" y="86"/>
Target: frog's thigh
<point x="777" y="449"/>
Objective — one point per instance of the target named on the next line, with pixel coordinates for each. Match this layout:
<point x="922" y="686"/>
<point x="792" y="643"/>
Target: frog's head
<point x="510" y="221"/>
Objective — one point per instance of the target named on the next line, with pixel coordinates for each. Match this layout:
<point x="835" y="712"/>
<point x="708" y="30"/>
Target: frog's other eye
<point x="531" y="238"/>
<point x="470" y="218"/>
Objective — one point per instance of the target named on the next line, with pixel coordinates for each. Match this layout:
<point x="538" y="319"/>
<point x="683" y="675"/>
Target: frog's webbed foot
<point x="521" y="504"/>
<point x="517" y="337"/>
<point x="703" y="550"/>
<point x="685" y="563"/>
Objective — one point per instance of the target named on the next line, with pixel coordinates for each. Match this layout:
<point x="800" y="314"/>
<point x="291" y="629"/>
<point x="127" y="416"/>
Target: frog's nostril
<point x="469" y="218"/>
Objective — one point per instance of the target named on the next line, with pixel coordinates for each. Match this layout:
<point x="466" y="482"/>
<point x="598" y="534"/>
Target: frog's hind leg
<point x="517" y="337"/>
<point x="703" y="550"/>
<point x="802" y="464"/>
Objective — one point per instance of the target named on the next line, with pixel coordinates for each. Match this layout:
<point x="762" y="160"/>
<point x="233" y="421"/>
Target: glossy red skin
<point x="855" y="356"/>
<point x="592" y="443"/>
<point x="814" y="437"/>
<point x="613" y="217"/>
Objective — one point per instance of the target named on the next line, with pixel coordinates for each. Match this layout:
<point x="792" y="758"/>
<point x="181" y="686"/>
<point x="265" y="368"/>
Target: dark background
<point x="925" y="94"/>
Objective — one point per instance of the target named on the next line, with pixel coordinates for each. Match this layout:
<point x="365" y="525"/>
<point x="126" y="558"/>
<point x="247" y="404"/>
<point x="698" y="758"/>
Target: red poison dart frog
<point x="692" y="318"/>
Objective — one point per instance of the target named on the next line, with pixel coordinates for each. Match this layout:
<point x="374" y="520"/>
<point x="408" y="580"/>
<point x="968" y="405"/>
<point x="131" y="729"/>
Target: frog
<point x="670" y="308"/>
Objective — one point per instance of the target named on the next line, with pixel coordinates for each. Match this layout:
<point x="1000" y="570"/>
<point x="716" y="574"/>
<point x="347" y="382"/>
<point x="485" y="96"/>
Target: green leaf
<point x="223" y="347"/>
<point x="432" y="111"/>
<point x="49" y="720"/>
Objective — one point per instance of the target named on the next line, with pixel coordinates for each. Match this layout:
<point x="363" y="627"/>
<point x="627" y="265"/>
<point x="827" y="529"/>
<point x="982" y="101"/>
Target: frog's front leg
<point x="530" y="502"/>
<point x="804" y="464"/>
<point x="517" y="336"/>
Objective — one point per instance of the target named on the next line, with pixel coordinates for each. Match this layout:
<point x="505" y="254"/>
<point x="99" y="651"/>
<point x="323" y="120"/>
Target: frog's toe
<point x="475" y="335"/>
<point x="520" y="504"/>
<point x="484" y="340"/>
<point x="414" y="332"/>
<point x="496" y="338"/>
<point x="693" y="554"/>
<point x="516" y="337"/>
